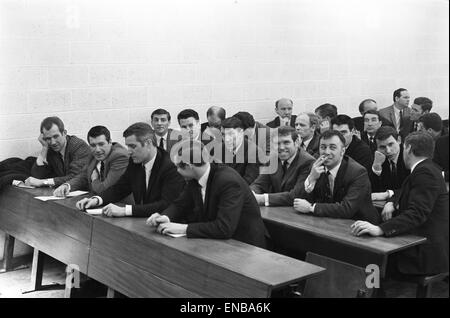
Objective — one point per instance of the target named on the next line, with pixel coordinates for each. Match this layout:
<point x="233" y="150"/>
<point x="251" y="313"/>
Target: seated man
<point x="419" y="208"/>
<point x="215" y="115"/>
<point x="216" y="202"/>
<point x="283" y="107"/>
<point x="307" y="125"/>
<point x="150" y="176"/>
<point x="165" y="136"/>
<point x="431" y="123"/>
<point x="372" y="122"/>
<point x="388" y="169"/>
<point x="106" y="165"/>
<point x="293" y="165"/>
<point x="355" y="148"/>
<point x="61" y="158"/>
<point x="326" y="113"/>
<point x="256" y="132"/>
<point x="337" y="186"/>
<point x="421" y="106"/>
<point x="365" y="105"/>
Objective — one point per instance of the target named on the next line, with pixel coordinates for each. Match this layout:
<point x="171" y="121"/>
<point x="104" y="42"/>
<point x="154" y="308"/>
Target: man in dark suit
<point x="388" y="169"/>
<point x="150" y="176"/>
<point x="216" y="202"/>
<point x="255" y="131"/>
<point x="326" y="113"/>
<point x="106" y="165"/>
<point x="280" y="187"/>
<point x="431" y="123"/>
<point x="399" y="113"/>
<point x="307" y="126"/>
<point x="165" y="136"/>
<point x="372" y="122"/>
<point x="420" y="106"/>
<point x="61" y="158"/>
<point x="420" y="208"/>
<point x="283" y="107"/>
<point x="355" y="148"/>
<point x="337" y="186"/>
<point x="441" y="154"/>
<point x="215" y="115"/>
<point x="365" y="105"/>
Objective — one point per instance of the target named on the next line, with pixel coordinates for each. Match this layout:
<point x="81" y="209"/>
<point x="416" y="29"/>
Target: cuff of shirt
<point x="266" y="199"/>
<point x="377" y="172"/>
<point x="100" y="200"/>
<point x="51" y="182"/>
<point x="68" y="185"/>
<point x="128" y="210"/>
<point x="309" y="187"/>
<point x="390" y="193"/>
<point x="40" y="161"/>
<point x="313" y="207"/>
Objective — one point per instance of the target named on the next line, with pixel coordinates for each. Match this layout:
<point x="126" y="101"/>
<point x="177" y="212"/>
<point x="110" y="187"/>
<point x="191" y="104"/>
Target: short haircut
<point x="160" y="111"/>
<point x="187" y="113"/>
<point x="398" y="93"/>
<point x="331" y="133"/>
<point x="385" y="132"/>
<point x="287" y="131"/>
<point x="142" y="131"/>
<point x="431" y="120"/>
<point x="326" y="110"/>
<point x="232" y="122"/>
<point x="48" y="122"/>
<point x="98" y="131"/>
<point x="424" y="102"/>
<point x="361" y="105"/>
<point x="343" y="120"/>
<point x="421" y="142"/>
<point x="192" y="152"/>
<point x="313" y="119"/>
<point x="221" y="113"/>
<point x="278" y="101"/>
<point x="373" y="112"/>
<point x="246" y="119"/>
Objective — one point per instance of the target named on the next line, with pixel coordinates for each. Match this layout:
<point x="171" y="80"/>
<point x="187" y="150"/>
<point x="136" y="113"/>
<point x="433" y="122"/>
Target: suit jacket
<point x="359" y="151"/>
<point x="76" y="156"/>
<point x="115" y="165"/>
<point x="359" y="123"/>
<point x="351" y="194"/>
<point x="230" y="209"/>
<point x="441" y="154"/>
<point x="405" y="126"/>
<point x="422" y="209"/>
<point x="276" y="122"/>
<point x="165" y="184"/>
<point x="173" y="136"/>
<point x="386" y="180"/>
<point x="372" y="145"/>
<point x="283" y="190"/>
<point x="262" y="132"/>
<point x="313" y="146"/>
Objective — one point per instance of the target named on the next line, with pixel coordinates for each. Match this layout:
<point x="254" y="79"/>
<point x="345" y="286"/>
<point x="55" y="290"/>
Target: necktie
<point x="161" y="143"/>
<point x="328" y="193"/>
<point x="394" y="171"/>
<point x="400" y="120"/>
<point x="285" y="167"/>
<point x="61" y="162"/>
<point x="102" y="171"/>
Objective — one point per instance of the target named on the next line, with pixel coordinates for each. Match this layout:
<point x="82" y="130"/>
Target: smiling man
<point x="150" y="176"/>
<point x="165" y="136"/>
<point x="107" y="163"/>
<point x="61" y="158"/>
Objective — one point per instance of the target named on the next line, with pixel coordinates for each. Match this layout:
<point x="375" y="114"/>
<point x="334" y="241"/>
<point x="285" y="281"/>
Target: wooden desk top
<point x="338" y="230"/>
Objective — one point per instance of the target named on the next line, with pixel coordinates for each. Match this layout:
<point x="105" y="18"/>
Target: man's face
<point x="303" y="127"/>
<point x="287" y="148"/>
<point x="369" y="105"/>
<point x="284" y="109"/>
<point x="416" y="112"/>
<point x="389" y="147"/>
<point x="407" y="156"/>
<point x="346" y="132"/>
<point x="333" y="149"/>
<point x="100" y="147"/>
<point x="232" y="137"/>
<point x="214" y="120"/>
<point x="191" y="126"/>
<point x="403" y="100"/>
<point x="371" y="123"/>
<point x="54" y="138"/>
<point x="139" y="153"/>
<point x="160" y="124"/>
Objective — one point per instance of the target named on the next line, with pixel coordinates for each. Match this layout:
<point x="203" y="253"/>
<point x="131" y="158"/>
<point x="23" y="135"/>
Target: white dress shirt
<point x="203" y="181"/>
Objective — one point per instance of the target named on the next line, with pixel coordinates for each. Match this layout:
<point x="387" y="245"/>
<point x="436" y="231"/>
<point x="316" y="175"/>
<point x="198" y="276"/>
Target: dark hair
<point x="187" y="113"/>
<point x="142" y="131"/>
<point x="161" y="111"/>
<point x="331" y="133"/>
<point x="232" y="122"/>
<point x="421" y="142"/>
<point x="373" y="112"/>
<point x="287" y="131"/>
<point x="192" y="152"/>
<point x="98" y="131"/>
<point x="361" y="105"/>
<point x="221" y="113"/>
<point x="424" y="102"/>
<point x="431" y="120"/>
<point x="326" y="110"/>
<point x="343" y="120"/>
<point x="278" y="101"/>
<point x="398" y="93"/>
<point x="48" y="122"/>
<point x="385" y="132"/>
<point x="246" y="119"/>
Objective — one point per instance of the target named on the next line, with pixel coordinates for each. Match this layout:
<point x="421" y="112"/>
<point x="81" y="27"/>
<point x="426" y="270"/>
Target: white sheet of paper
<point x="76" y="193"/>
<point x="176" y="235"/>
<point x="50" y="197"/>
<point x="94" y="211"/>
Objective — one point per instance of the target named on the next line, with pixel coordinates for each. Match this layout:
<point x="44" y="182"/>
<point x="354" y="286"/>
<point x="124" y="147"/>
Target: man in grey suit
<point x="165" y="136"/>
<point x="106" y="164"/>
<point x="399" y="113"/>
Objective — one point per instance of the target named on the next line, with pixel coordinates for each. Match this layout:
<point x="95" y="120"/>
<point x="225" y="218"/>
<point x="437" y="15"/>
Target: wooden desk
<point x="295" y="233"/>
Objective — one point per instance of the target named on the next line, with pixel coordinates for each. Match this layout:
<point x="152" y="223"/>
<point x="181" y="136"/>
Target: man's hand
<point x="62" y="191"/>
<point x="259" y="198"/>
<point x="378" y="160"/>
<point x="155" y="219"/>
<point x="302" y="206"/>
<point x="172" y="228"/>
<point x="42" y="141"/>
<point x="31" y="181"/>
<point x="113" y="210"/>
<point x="362" y="227"/>
<point x="380" y="196"/>
<point x="87" y="203"/>
<point x="388" y="209"/>
<point x="317" y="168"/>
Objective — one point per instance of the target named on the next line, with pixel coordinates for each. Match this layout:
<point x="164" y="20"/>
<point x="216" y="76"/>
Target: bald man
<point x="283" y="107"/>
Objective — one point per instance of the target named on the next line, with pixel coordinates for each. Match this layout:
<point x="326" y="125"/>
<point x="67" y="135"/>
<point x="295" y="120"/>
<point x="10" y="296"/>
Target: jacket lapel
<point x="338" y="180"/>
<point x="290" y="169"/>
<point x="154" y="172"/>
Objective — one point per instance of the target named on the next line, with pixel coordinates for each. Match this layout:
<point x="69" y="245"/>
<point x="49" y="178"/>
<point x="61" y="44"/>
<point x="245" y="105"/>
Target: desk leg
<point x="110" y="293"/>
<point x="37" y="269"/>
<point x="8" y="253"/>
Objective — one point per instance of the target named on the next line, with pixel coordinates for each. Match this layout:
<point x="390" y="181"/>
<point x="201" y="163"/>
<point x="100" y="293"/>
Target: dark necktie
<point x="61" y="162"/>
<point x="144" y="183"/>
<point x="161" y="143"/>
<point x="328" y="195"/>
<point x="285" y="167"/>
<point x="102" y="171"/>
<point x="394" y="171"/>
<point x="401" y="119"/>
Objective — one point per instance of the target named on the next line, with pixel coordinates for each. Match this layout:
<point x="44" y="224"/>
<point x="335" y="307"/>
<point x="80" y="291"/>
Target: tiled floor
<point x="15" y="283"/>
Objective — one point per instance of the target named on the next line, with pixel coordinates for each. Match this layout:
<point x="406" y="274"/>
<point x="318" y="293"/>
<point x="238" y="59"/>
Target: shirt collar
<point x="282" y="120"/>
<point x="291" y="159"/>
<point x="149" y="165"/>
<point x="164" y="136"/>
<point x="414" y="165"/>
<point x="395" y="160"/>
<point x="63" y="150"/>
<point x="306" y="142"/>
<point x="335" y="170"/>
<point x="204" y="179"/>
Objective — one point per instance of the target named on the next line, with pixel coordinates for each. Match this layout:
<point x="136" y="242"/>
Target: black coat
<point x="359" y="151"/>
<point x="276" y="122"/>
